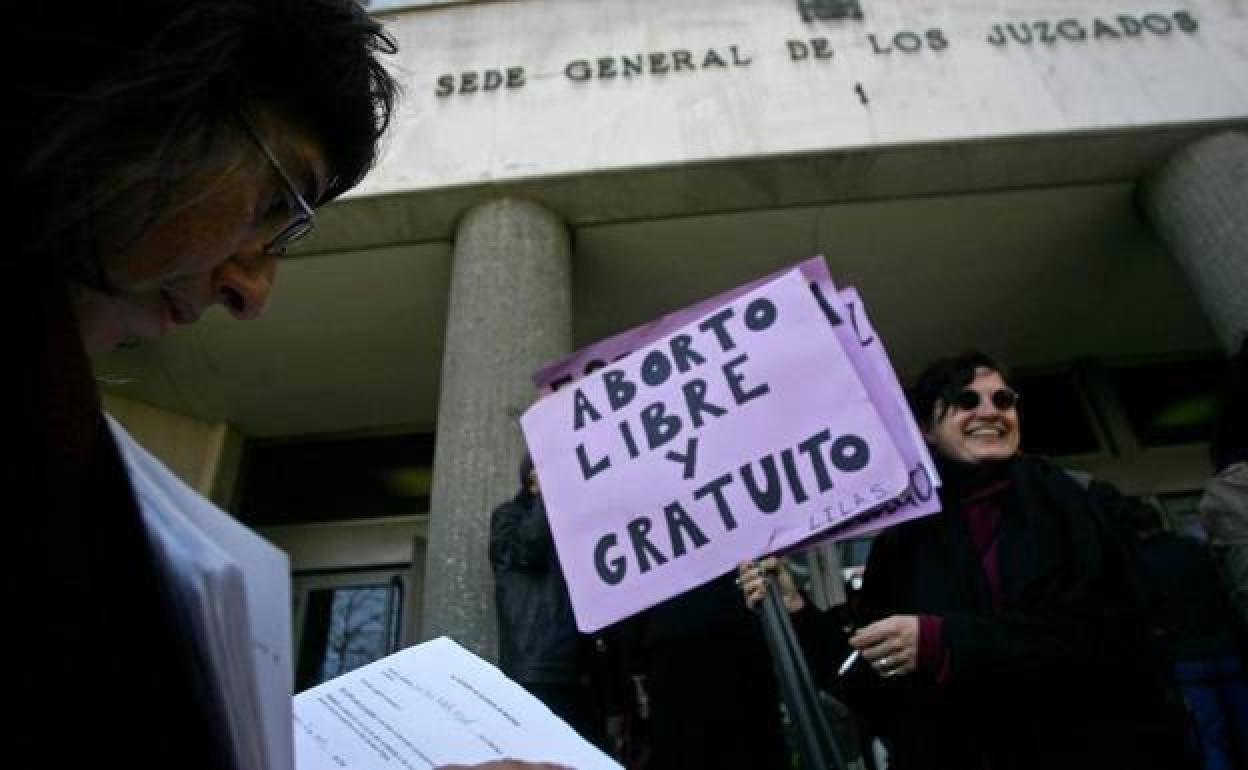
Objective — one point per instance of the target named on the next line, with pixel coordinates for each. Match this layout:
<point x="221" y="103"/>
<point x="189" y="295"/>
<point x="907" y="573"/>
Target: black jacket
<point x="1191" y="607"/>
<point x="93" y="627"/>
<point x="538" y="640"/>
<point x="708" y="676"/>
<point x="1066" y="676"/>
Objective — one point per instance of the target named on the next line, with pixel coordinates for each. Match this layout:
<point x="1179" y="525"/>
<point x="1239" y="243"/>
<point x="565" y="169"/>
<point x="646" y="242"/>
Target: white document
<point x="426" y="706"/>
<point x="423" y="707"/>
<point x="232" y="589"/>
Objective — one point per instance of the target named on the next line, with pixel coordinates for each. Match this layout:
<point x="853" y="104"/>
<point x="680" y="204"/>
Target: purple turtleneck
<point x="980" y="502"/>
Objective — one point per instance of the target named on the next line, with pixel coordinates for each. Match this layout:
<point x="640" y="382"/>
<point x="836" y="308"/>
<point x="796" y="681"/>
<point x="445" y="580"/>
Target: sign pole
<point x="818" y="748"/>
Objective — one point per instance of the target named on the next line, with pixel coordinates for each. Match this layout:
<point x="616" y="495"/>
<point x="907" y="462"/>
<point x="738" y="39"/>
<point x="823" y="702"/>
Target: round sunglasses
<point x="1003" y="399"/>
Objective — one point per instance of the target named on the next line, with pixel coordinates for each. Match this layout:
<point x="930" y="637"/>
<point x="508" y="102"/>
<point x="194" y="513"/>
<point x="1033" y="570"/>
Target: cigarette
<point x="849" y="662"/>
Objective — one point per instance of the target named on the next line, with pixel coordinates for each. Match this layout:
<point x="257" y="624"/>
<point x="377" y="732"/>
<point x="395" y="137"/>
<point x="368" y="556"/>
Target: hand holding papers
<point x="428" y="706"/>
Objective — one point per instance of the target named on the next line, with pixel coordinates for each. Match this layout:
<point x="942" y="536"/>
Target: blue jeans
<point x="1216" y="692"/>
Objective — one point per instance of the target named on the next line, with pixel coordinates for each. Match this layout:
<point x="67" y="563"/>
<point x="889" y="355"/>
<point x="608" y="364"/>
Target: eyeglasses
<point x="1003" y="399"/>
<point x="304" y="221"/>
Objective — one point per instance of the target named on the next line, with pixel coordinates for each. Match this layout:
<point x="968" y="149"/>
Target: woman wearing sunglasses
<point x="162" y="155"/>
<point x="1008" y="631"/>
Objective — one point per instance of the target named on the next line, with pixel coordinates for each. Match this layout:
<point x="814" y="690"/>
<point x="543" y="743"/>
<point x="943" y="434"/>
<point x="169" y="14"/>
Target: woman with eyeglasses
<point x="162" y="155"/>
<point x="1010" y="629"/>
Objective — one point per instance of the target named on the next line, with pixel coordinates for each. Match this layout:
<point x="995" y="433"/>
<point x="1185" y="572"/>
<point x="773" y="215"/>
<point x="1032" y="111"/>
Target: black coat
<point x="1190" y="605"/>
<point x="712" y="695"/>
<point x="538" y="640"/>
<point x="101" y="670"/>
<point x="1066" y="676"/>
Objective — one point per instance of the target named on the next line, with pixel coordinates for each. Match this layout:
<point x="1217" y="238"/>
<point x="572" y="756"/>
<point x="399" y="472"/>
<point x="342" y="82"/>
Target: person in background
<point x="1009" y="630"/>
<point x="1224" y="505"/>
<point x="701" y="666"/>
<point x="162" y="155"/>
<point x="1191" y="611"/>
<point x="539" y="644"/>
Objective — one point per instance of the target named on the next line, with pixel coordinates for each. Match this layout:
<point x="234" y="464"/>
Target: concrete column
<point x="1199" y="204"/>
<point x="510" y="312"/>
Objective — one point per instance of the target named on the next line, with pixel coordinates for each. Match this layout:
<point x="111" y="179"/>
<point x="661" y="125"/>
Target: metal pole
<point x="816" y="744"/>
<point x="808" y="688"/>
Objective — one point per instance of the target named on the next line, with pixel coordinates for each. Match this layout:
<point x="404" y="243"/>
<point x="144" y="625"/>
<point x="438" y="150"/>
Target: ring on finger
<point x="883" y="662"/>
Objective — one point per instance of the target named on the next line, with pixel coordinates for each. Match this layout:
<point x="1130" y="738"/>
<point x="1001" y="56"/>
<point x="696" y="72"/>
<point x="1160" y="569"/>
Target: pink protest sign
<point x="866" y="350"/>
<point x="726" y="439"/>
<point x="591" y="358"/>
<point x="847" y="314"/>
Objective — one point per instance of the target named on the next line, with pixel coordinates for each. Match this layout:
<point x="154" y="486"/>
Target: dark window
<point x="1053" y="418"/>
<point x="1170" y="403"/>
<point x="290" y="483"/>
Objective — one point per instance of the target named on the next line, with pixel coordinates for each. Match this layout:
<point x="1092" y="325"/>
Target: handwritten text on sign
<point x="707" y="447"/>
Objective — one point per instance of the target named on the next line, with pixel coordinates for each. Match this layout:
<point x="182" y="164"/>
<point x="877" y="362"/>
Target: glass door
<point x="344" y="620"/>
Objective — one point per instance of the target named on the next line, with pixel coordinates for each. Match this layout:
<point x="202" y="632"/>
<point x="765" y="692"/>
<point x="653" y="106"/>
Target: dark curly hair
<point x="150" y="89"/>
<point x="942" y="380"/>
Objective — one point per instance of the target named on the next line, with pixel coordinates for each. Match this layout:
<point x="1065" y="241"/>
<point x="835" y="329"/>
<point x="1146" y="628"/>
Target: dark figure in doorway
<point x="1192" y="613"/>
<point x="1224" y="505"/>
<point x="539" y="645"/>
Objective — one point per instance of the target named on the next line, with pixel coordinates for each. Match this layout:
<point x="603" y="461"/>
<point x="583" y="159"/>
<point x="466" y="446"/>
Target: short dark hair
<point x="114" y="103"/>
<point x="942" y="380"/>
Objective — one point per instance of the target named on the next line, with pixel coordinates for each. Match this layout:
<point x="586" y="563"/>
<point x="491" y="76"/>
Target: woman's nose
<point x="243" y="286"/>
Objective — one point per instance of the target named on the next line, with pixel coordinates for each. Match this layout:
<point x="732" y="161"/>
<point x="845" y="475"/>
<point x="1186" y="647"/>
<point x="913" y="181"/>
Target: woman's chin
<point x="996" y="454"/>
<point x="112" y="323"/>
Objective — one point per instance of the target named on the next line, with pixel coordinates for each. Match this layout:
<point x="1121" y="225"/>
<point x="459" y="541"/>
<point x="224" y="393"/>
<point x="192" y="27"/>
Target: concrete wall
<point x="343" y="545"/>
<point x="726" y="79"/>
<point x="205" y="455"/>
<point x="1165" y="470"/>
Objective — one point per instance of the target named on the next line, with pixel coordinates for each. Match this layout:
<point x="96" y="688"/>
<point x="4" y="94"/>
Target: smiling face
<point x="207" y="246"/>
<point x="984" y="433"/>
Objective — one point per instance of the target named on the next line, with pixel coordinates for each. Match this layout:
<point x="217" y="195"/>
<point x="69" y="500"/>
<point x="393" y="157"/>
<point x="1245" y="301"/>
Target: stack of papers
<point x="430" y="705"/>
<point x="423" y="707"/>
<point x="231" y="590"/>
